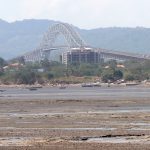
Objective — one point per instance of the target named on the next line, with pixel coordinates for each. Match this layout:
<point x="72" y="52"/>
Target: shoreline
<point x="127" y="84"/>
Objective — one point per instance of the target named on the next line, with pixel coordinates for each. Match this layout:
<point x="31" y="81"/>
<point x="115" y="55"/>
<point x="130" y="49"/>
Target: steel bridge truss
<point x="121" y="56"/>
<point x="72" y="38"/>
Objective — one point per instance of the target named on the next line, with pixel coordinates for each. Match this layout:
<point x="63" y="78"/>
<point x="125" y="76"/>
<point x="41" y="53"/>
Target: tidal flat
<point x="76" y="123"/>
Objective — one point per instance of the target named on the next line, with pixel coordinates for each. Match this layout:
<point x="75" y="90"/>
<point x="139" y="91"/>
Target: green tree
<point x="108" y="75"/>
<point x="129" y="77"/>
<point x="88" y="69"/>
<point x="25" y="76"/>
<point x="118" y="74"/>
<point x="49" y="76"/>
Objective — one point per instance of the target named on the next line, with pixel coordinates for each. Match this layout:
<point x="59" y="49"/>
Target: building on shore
<point x="78" y="55"/>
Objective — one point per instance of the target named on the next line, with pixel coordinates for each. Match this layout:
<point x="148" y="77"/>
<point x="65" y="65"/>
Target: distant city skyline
<point x="86" y="14"/>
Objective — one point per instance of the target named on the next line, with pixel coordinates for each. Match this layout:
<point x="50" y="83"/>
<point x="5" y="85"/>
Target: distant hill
<point x="21" y="36"/>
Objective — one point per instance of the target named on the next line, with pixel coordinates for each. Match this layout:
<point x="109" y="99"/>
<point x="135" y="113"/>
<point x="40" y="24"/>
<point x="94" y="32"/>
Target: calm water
<point x="107" y="93"/>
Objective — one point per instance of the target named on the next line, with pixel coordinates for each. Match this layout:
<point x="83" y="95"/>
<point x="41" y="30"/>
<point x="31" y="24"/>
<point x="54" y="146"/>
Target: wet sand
<point x="75" y="124"/>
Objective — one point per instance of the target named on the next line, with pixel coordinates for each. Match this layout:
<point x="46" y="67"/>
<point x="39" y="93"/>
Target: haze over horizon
<point x="86" y="14"/>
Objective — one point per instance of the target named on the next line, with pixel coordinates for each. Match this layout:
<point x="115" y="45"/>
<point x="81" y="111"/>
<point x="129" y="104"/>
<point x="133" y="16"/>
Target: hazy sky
<point x="82" y="13"/>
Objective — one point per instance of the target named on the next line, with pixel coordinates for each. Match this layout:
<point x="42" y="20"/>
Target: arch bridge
<point x="47" y="45"/>
<point x="73" y="40"/>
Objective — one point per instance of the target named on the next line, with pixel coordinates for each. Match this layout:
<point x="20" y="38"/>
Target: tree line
<point x="45" y="71"/>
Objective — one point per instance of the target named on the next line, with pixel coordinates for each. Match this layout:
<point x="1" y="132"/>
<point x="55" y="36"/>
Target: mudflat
<point x="75" y="124"/>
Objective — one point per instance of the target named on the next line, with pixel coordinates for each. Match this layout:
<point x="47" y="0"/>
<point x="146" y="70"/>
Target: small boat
<point x="97" y="84"/>
<point x="131" y="84"/>
<point x="87" y="85"/>
<point x="32" y="88"/>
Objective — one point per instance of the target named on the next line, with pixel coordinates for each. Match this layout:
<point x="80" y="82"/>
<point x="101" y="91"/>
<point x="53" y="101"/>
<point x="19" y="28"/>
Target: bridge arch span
<point x="71" y="36"/>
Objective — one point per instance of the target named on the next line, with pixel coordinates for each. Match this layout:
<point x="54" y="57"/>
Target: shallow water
<point x="14" y="141"/>
<point x="107" y="93"/>
<point x="122" y="139"/>
<point x="64" y="129"/>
